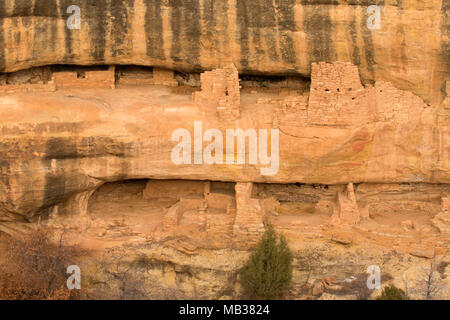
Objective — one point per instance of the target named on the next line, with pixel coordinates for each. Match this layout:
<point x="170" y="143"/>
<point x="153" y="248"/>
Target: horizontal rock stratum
<point x="411" y="49"/>
<point x="166" y="135"/>
<point x="59" y="146"/>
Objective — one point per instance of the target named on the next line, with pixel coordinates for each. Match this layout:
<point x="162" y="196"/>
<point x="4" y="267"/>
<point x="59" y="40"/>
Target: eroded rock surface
<point x="264" y="36"/>
<point x="360" y="120"/>
<point x="59" y="145"/>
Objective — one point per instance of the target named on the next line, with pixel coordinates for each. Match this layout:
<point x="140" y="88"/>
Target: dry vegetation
<point x="34" y="267"/>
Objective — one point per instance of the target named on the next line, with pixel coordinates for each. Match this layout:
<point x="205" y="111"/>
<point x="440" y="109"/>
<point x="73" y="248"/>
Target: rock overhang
<point x="261" y="38"/>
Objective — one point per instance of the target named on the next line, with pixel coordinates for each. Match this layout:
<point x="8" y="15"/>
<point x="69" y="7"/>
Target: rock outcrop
<point x="55" y="146"/>
<point x="263" y="37"/>
<point x="167" y="135"/>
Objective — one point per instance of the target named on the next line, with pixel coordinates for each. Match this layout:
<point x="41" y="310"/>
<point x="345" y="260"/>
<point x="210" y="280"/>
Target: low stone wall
<point x="31" y="87"/>
<point x="91" y="79"/>
<point x="164" y="77"/>
<point x="173" y="216"/>
<point x="249" y="222"/>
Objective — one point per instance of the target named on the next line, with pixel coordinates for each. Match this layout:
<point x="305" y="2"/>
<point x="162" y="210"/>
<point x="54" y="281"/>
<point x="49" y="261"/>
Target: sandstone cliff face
<point x="363" y="173"/>
<point x="64" y="147"/>
<point x="411" y="49"/>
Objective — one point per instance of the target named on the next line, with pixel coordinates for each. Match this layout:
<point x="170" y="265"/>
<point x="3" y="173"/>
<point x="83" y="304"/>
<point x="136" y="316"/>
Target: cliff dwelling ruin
<point x="297" y="116"/>
<point x="228" y="204"/>
<point x="223" y="212"/>
<point x="336" y="96"/>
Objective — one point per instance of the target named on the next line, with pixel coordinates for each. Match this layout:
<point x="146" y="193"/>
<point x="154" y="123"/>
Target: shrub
<point x="268" y="271"/>
<point x="34" y="268"/>
<point x="392" y="293"/>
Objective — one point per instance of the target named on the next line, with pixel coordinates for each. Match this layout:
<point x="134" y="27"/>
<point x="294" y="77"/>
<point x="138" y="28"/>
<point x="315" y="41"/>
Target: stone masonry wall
<point x="155" y="76"/>
<point x="396" y="105"/>
<point x="92" y="79"/>
<point x="221" y="87"/>
<point x="32" y="87"/>
<point x="164" y="77"/>
<point x="290" y="111"/>
<point x="30" y="80"/>
<point x="337" y="96"/>
<point x="249" y="221"/>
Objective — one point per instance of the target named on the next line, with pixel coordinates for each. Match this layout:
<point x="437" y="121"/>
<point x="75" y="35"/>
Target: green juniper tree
<point x="392" y="293"/>
<point x="268" y="272"/>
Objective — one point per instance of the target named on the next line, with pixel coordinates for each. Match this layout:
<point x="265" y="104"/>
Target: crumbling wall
<point x="29" y="80"/>
<point x="220" y="201"/>
<point x="221" y="87"/>
<point x="134" y="75"/>
<point x="35" y="87"/>
<point x="347" y="211"/>
<point x="164" y="77"/>
<point x="172" y="218"/>
<point x="396" y="105"/>
<point x="188" y="79"/>
<point x="175" y="213"/>
<point x="249" y="222"/>
<point x="290" y="111"/>
<point x="337" y="98"/>
<point x="27" y="76"/>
